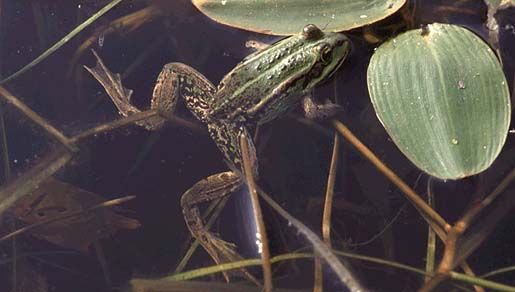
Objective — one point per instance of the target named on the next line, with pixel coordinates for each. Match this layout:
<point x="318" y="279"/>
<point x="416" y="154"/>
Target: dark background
<point x="158" y="167"/>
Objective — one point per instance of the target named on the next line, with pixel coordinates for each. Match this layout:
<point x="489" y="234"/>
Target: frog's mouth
<point x="341" y="61"/>
<point x="319" y="74"/>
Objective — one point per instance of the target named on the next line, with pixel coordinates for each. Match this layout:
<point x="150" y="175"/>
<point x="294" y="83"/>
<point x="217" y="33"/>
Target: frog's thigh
<point x="213" y="187"/>
<point x="227" y="137"/>
<point x="179" y="80"/>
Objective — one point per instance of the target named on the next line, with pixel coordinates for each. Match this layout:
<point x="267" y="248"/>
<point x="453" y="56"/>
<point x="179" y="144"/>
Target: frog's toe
<point x="320" y="112"/>
<point x="224" y="252"/>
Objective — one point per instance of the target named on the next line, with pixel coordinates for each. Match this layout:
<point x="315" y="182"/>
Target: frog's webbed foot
<point x="120" y="95"/>
<point x="112" y="84"/>
<point x="256" y="45"/>
<point x="213" y="187"/>
<point x="320" y="112"/>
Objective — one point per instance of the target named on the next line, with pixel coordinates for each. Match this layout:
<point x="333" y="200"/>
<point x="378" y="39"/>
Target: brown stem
<point x="326" y="217"/>
<point x="113" y="125"/>
<point x="448" y="261"/>
<point x="323" y="251"/>
<point x="437" y="223"/>
<point x="431" y="236"/>
<point x="25" y="183"/>
<point x="109" y="203"/>
<point x="258" y="215"/>
<point x="37" y="119"/>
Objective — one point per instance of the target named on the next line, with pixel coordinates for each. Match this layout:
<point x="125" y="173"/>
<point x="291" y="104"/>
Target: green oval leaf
<point x="442" y="96"/>
<point x="283" y="17"/>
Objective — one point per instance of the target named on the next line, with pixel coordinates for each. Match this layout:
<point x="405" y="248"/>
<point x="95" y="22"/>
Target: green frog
<point x="264" y="86"/>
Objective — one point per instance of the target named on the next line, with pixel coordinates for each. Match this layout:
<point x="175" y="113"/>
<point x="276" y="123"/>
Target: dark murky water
<point x="158" y="167"/>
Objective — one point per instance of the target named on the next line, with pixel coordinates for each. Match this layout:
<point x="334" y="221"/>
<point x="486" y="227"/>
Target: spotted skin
<point x="179" y="80"/>
<point x="227" y="137"/>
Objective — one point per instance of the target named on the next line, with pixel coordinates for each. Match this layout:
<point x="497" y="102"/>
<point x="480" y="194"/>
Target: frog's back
<point x="258" y="76"/>
<point x="268" y="83"/>
<point x="258" y="63"/>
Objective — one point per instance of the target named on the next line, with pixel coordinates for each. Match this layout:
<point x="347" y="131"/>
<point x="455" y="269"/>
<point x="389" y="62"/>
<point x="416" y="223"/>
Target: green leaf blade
<point x="287" y="17"/>
<point x="443" y="98"/>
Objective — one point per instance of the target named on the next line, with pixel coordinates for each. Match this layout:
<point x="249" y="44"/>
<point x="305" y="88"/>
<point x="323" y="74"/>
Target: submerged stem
<point x="258" y="215"/>
<point x="62" y="41"/>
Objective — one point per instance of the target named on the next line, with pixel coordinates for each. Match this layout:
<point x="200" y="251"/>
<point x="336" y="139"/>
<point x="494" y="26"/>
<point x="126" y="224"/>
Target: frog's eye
<point x="325" y="53"/>
<point x="311" y="32"/>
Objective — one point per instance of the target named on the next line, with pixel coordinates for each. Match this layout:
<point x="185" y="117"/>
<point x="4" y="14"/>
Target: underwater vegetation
<point x="256" y="145"/>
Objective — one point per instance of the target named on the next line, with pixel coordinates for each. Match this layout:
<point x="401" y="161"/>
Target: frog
<point x="264" y="86"/>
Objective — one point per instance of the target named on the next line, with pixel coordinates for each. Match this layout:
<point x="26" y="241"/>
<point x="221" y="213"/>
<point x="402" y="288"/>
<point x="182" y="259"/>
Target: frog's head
<point x="329" y="50"/>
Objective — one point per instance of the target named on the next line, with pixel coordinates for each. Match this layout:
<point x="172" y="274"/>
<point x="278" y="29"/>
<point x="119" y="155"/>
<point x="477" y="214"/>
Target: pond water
<point x="103" y="251"/>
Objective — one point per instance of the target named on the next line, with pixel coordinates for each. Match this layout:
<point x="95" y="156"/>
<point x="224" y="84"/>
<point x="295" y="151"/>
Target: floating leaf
<point x="283" y="17"/>
<point x="54" y="198"/>
<point x="441" y="94"/>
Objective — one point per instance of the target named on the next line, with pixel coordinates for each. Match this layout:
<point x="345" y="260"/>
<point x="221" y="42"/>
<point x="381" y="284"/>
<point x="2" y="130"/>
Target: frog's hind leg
<point x="213" y="187"/>
<point x="227" y="137"/>
<point x="179" y="80"/>
<point x="112" y="84"/>
<point x="175" y="80"/>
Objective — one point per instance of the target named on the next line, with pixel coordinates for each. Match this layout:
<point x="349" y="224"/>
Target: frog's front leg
<point x="315" y="111"/>
<point x="213" y="187"/>
<point x="256" y="45"/>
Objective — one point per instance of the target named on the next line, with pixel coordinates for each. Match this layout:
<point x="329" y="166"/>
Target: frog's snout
<point x="342" y="40"/>
<point x="342" y="46"/>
